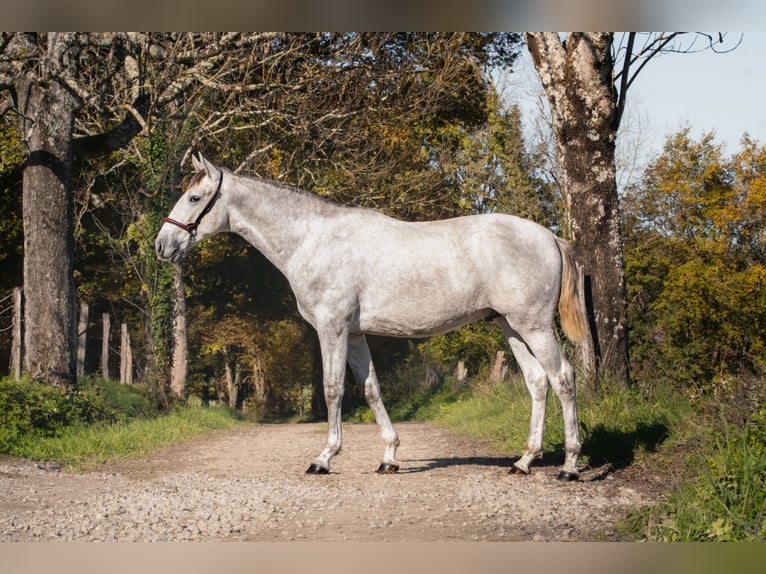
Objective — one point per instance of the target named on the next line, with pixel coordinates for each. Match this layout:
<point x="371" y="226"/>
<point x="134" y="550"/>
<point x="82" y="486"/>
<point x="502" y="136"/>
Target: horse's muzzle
<point x="168" y="252"/>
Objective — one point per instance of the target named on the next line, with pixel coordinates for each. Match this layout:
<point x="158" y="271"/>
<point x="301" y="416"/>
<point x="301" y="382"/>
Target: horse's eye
<point x="194" y="198"/>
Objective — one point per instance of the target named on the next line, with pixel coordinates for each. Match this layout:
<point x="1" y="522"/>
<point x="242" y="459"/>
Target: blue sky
<point x="723" y="93"/>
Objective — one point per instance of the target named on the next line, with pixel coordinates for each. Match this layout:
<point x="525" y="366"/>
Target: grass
<point x="724" y="502"/>
<point x="84" y="445"/>
<point x="97" y="421"/>
<point x="715" y="468"/>
<point x="616" y="425"/>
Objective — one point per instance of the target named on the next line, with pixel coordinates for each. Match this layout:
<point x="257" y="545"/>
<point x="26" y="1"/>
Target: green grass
<point x="97" y="421"/>
<point x="725" y="502"/>
<point x="616" y="425"/>
<point x="83" y="445"/>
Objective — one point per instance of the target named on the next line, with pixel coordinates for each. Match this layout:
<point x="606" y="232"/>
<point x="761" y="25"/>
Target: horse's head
<point x="194" y="217"/>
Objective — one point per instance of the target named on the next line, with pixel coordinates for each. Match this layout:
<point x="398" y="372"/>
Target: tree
<point x="696" y="260"/>
<point x="77" y="95"/>
<point x="579" y="76"/>
<point x="348" y="115"/>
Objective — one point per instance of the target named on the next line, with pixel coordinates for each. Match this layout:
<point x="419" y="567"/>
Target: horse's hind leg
<point x="360" y="361"/>
<point x="537" y="385"/>
<point x="545" y="348"/>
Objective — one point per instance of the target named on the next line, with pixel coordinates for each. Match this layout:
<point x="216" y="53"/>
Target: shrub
<point x="726" y="502"/>
<point x="30" y="408"/>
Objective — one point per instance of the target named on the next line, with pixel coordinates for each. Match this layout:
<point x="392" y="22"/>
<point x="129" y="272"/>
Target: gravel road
<point x="249" y="484"/>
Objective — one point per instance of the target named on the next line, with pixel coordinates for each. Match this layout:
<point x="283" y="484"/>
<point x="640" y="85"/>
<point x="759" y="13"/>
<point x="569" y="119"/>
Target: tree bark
<point x="126" y="357"/>
<point x="259" y="384"/>
<point x="499" y="369"/>
<point x="577" y="76"/>
<point x="47" y="120"/>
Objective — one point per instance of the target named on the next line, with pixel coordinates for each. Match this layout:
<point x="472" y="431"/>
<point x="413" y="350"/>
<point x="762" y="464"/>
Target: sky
<point x="723" y="93"/>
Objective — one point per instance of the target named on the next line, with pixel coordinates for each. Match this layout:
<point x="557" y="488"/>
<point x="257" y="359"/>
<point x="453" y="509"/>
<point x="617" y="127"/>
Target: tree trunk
<point x="499" y="369"/>
<point x="259" y="384"/>
<point x="178" y="370"/>
<point x="577" y="76"/>
<point x="47" y="119"/>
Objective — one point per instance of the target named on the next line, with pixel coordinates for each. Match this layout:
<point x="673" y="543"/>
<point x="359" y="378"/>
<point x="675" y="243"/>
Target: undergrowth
<point x="617" y="425"/>
<point x="725" y="498"/>
<point x="97" y="421"/>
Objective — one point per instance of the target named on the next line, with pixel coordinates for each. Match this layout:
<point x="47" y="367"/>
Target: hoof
<point x="317" y="469"/>
<point x="566" y="476"/>
<point x="516" y="471"/>
<point x="387" y="468"/>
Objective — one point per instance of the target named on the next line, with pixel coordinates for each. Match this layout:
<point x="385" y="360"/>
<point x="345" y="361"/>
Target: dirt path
<point x="249" y="484"/>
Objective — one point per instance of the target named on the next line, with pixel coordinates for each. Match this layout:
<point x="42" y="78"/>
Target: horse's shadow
<point x="601" y="445"/>
<point x="425" y="465"/>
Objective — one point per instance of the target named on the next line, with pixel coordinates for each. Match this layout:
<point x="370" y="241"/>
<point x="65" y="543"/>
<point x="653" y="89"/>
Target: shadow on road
<point x="601" y="446"/>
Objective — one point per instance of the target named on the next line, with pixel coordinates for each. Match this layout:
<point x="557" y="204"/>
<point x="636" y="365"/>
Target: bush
<point x="727" y="502"/>
<point x="30" y="408"/>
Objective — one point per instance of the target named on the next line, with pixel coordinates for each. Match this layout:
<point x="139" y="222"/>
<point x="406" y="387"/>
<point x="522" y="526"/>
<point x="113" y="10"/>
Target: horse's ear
<point x="212" y="171"/>
<point x="197" y="164"/>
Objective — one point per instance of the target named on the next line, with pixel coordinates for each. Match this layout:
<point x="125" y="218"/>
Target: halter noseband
<point x="192" y="227"/>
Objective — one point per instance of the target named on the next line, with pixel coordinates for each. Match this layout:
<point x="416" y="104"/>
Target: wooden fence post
<point x="18" y="335"/>
<point x="499" y="369"/>
<point x="82" y="338"/>
<point x="106" y="325"/>
<point x="462" y="373"/>
<point x="126" y="357"/>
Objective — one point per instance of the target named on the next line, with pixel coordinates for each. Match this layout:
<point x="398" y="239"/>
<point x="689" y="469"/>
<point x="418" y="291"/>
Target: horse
<point x="356" y="271"/>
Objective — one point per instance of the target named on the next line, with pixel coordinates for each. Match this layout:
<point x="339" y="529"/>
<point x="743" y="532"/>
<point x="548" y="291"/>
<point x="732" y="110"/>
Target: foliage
<point x="97" y="421"/>
<point x="695" y="264"/>
<point x="726" y="502"/>
<point x="617" y="425"/>
<point x="78" y="446"/>
<point x="11" y="160"/>
<point x="32" y="409"/>
<point x="475" y="344"/>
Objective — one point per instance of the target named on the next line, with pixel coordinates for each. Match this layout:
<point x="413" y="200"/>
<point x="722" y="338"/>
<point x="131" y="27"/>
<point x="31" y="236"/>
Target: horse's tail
<point x="574" y="320"/>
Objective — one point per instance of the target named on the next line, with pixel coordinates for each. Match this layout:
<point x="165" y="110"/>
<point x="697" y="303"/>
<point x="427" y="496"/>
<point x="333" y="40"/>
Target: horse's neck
<point x="272" y="219"/>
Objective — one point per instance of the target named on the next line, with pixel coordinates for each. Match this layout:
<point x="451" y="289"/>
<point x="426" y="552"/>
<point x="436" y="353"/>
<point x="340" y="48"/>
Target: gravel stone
<point x="249" y="484"/>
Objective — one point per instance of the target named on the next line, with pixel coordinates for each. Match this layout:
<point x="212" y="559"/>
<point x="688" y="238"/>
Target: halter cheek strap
<point x="192" y="227"/>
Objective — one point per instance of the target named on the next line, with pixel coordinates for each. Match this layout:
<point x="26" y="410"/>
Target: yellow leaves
<point x="696" y="259"/>
<point x="720" y="530"/>
<point x="12" y="153"/>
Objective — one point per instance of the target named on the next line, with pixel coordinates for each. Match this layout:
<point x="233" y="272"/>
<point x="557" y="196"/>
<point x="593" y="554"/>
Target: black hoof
<point x="317" y="469"/>
<point x="387" y="468"/>
<point x="516" y="471"/>
<point x="566" y="476"/>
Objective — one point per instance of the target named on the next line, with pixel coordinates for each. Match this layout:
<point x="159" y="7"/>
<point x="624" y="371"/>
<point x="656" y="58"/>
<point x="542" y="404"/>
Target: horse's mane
<point x="320" y="201"/>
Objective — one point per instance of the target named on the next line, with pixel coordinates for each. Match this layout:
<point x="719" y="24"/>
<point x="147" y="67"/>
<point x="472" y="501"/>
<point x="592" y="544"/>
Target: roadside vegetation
<point x="100" y="420"/>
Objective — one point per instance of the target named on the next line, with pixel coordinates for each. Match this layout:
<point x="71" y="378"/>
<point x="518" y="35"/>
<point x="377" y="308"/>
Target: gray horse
<point x="356" y="271"/>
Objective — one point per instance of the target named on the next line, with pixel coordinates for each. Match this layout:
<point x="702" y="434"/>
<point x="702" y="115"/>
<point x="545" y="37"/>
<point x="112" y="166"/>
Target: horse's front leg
<point x="334" y="349"/>
<point x="364" y="371"/>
